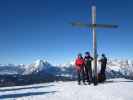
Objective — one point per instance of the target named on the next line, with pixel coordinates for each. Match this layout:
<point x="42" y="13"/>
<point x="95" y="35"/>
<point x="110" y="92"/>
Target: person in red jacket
<point x="80" y="68"/>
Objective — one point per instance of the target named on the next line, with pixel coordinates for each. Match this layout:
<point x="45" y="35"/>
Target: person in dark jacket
<point x="88" y="67"/>
<point x="102" y="76"/>
<point x="80" y="68"/>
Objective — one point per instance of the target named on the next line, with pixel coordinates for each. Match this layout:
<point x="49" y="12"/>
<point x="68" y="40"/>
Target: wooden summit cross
<point x="93" y="26"/>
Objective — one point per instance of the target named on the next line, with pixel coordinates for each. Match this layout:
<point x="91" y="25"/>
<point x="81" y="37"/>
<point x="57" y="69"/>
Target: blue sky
<point x="40" y="29"/>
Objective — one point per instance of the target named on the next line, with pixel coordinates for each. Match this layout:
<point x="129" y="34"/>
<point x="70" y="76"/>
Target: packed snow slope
<point x="113" y="89"/>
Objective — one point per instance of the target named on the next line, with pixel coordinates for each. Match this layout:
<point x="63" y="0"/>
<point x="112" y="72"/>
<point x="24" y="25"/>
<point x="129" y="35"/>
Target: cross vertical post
<point x="94" y="43"/>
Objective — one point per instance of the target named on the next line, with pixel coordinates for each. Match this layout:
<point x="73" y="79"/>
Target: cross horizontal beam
<point x="79" y="24"/>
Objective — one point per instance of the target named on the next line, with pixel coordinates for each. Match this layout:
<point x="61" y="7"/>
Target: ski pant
<point x="88" y="72"/>
<point x="103" y="68"/>
<point x="81" y="75"/>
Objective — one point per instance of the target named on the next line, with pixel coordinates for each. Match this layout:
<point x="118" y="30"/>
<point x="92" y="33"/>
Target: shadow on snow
<point x="24" y="94"/>
<point x="20" y="88"/>
<point x="111" y="81"/>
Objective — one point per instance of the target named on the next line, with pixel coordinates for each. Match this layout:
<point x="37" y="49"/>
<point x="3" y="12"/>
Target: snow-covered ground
<point x="113" y="89"/>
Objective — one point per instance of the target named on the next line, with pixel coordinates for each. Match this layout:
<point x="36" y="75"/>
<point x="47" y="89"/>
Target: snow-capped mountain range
<point x="115" y="68"/>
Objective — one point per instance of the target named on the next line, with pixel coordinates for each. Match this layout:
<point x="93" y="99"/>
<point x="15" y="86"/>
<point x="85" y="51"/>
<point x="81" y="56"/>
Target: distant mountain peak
<point x="68" y="64"/>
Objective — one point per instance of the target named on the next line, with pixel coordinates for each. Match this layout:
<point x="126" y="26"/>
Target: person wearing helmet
<point x="88" y="67"/>
<point x="79" y="63"/>
<point x="103" y="61"/>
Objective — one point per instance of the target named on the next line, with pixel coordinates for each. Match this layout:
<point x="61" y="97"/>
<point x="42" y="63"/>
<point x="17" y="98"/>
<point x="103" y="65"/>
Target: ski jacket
<point x="103" y="61"/>
<point x="88" y="60"/>
<point x="79" y="63"/>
